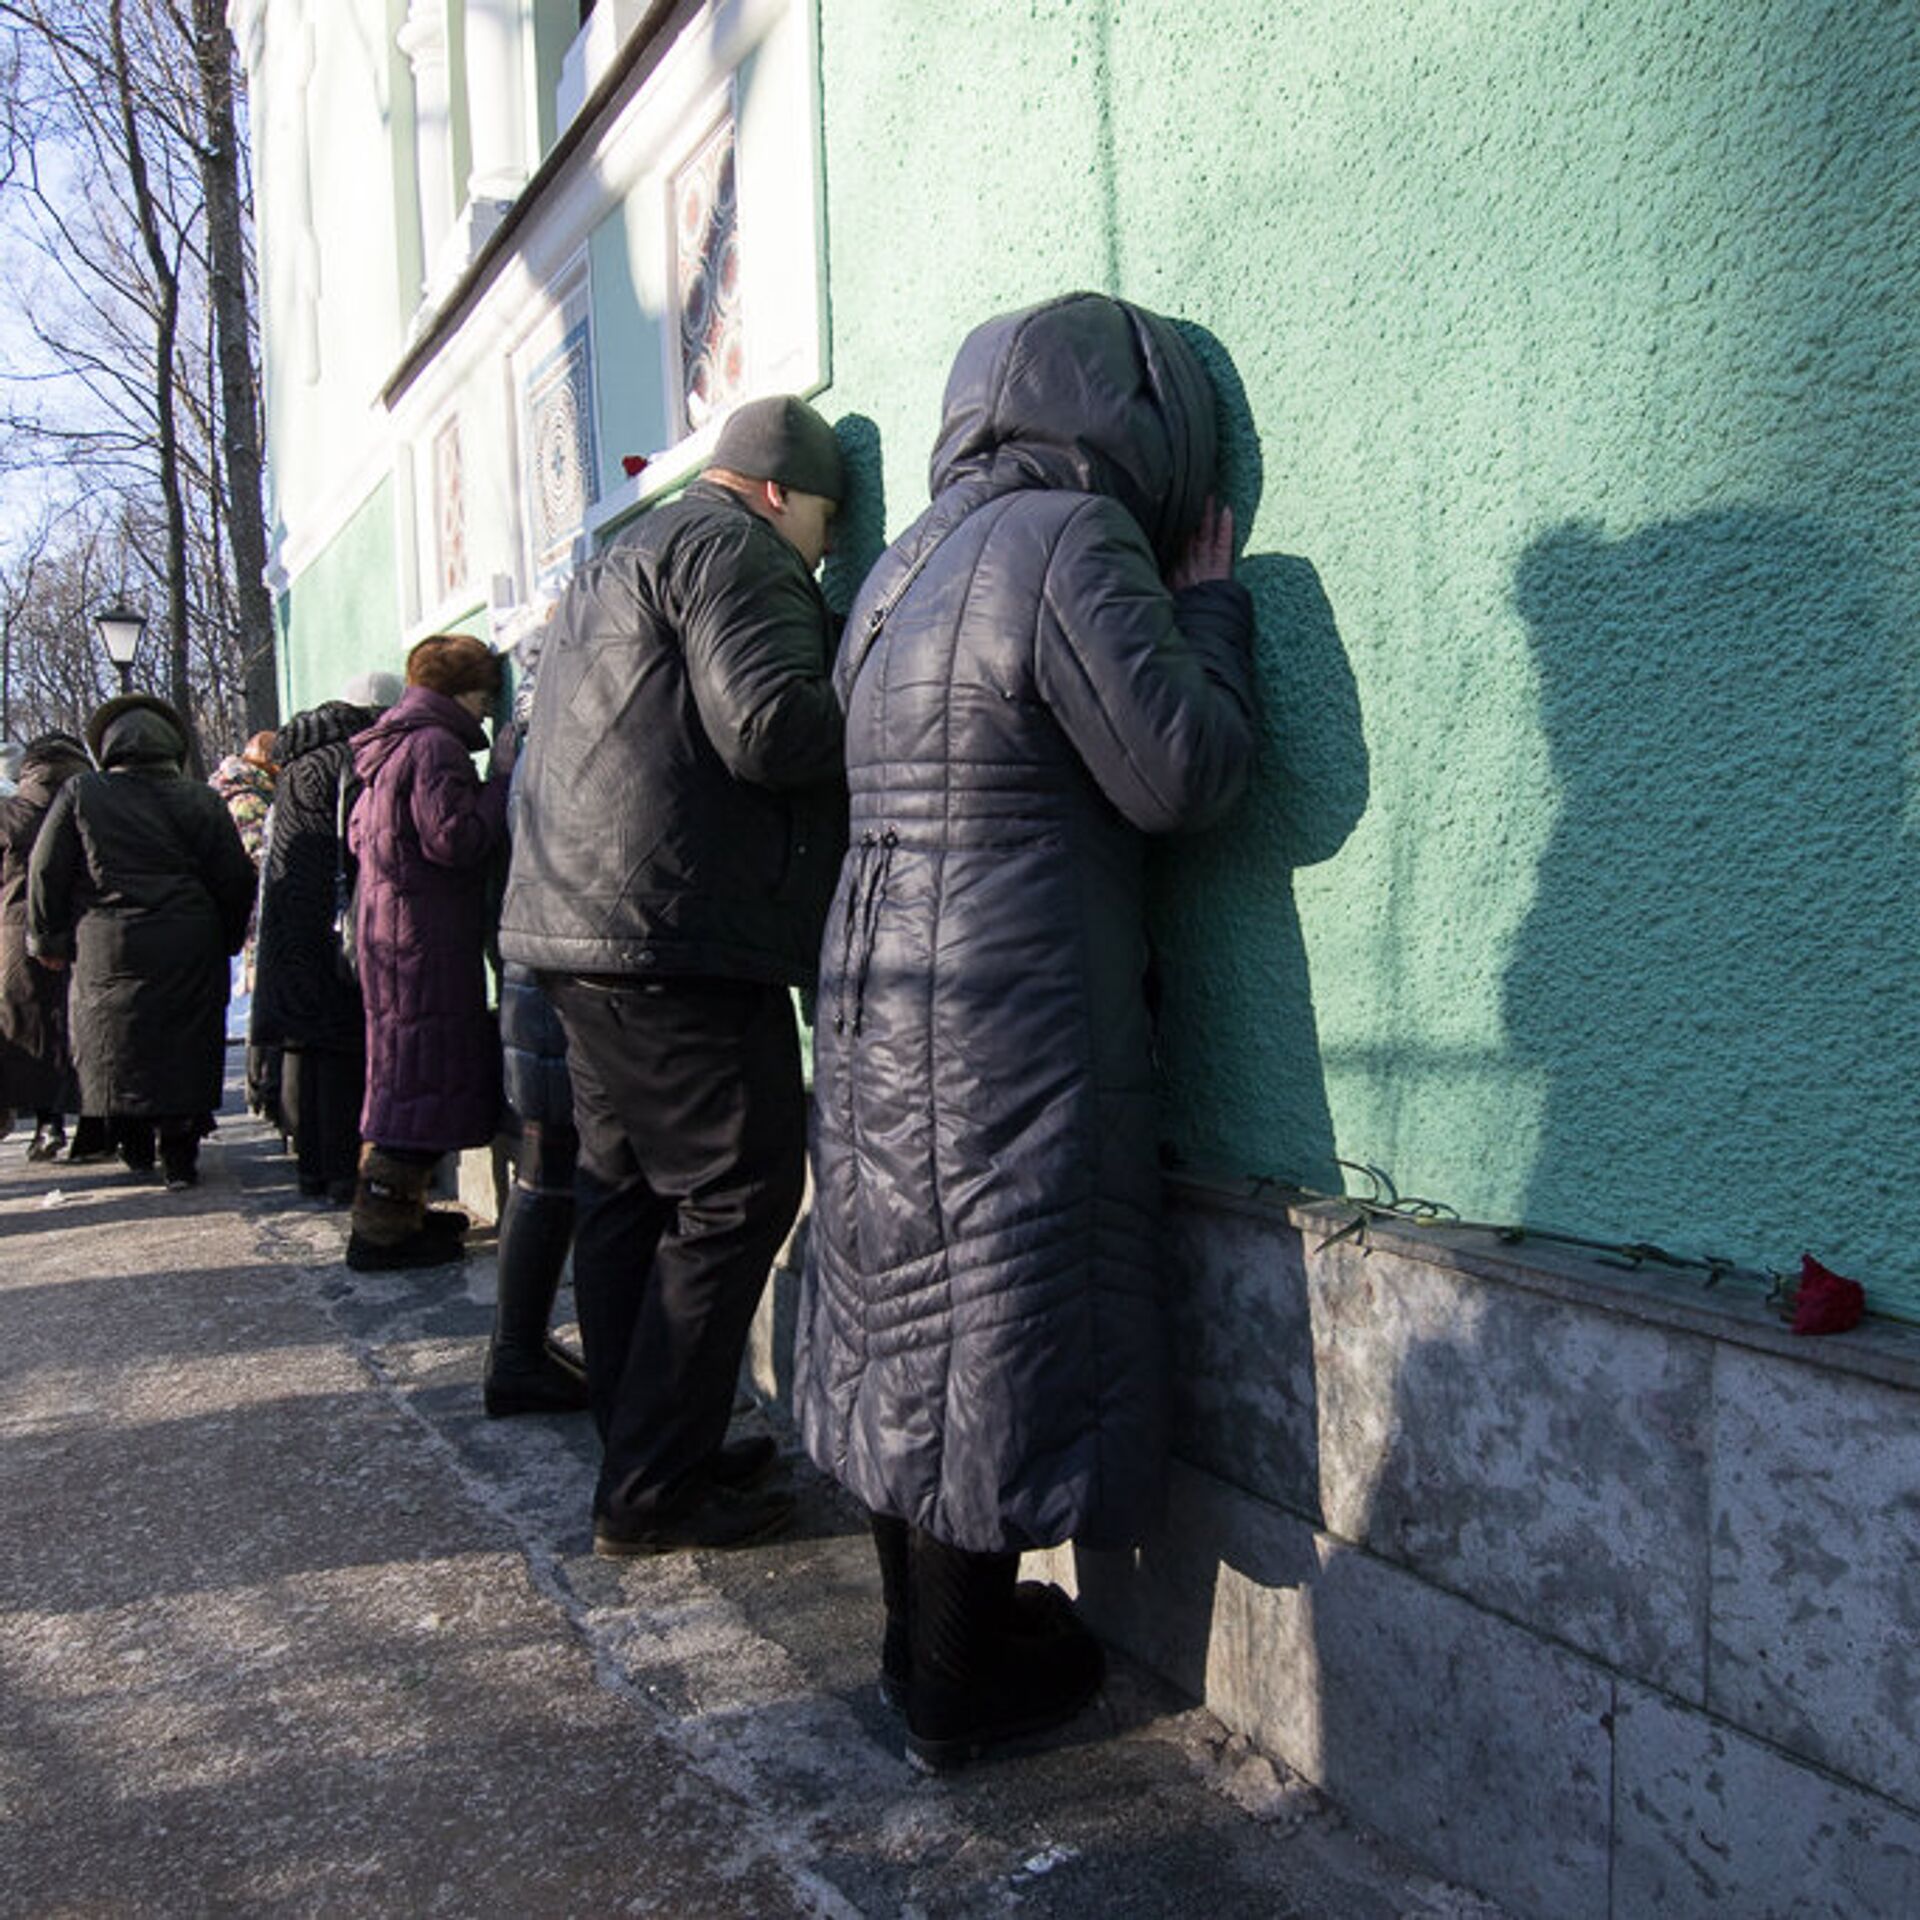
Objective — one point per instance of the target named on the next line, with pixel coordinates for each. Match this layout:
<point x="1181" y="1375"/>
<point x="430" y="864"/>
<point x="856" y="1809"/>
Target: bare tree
<point x="123" y="156"/>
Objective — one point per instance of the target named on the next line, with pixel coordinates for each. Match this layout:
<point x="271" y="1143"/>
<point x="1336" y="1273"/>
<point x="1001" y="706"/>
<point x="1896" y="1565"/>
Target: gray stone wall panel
<point x="1816" y="1567"/>
<point x="1479" y="1746"/>
<point x="1711" y="1824"/>
<point x="1243" y="1388"/>
<point x="1548" y="1462"/>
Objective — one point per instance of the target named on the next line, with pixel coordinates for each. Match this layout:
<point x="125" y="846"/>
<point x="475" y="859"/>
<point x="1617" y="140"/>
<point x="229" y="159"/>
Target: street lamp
<point x="120" y="630"/>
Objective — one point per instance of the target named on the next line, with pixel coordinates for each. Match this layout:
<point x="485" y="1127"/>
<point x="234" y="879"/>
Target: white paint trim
<point x="705" y="48"/>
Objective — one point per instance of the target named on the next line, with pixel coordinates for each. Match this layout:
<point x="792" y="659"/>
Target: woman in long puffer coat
<point x="139" y="881"/>
<point x="424" y="832"/>
<point x="306" y="1002"/>
<point x="1051" y="664"/>
<point x="36" y="1063"/>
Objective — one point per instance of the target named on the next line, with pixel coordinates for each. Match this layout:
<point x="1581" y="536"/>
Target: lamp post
<point x="120" y="630"/>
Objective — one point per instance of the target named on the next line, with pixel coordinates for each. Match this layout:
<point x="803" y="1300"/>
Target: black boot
<point x="180" y="1154"/>
<point x="92" y="1139"/>
<point x="49" y="1136"/>
<point x="134" y="1141"/>
<point x="986" y="1665"/>
<point x="422" y="1249"/>
<point x="890" y="1544"/>
<point x="527" y="1372"/>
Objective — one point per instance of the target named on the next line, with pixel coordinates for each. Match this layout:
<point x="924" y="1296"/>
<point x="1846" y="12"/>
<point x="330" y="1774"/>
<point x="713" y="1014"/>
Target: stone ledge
<point x="1734" y="1310"/>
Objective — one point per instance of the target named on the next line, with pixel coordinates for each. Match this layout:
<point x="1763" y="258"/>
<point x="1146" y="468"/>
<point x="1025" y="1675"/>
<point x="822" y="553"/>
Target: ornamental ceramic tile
<point x="706" y="249"/>
<point x="450" y="509"/>
<point x="560" y="441"/>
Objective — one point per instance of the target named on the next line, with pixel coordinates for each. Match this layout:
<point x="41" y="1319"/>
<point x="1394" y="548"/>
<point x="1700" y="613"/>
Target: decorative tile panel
<point x="450" y="510"/>
<point x="706" y="281"/>
<point x="561" y="453"/>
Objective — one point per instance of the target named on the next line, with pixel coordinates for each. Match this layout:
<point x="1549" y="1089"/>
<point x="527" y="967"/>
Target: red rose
<point x="1826" y="1303"/>
<point x="633" y="464"/>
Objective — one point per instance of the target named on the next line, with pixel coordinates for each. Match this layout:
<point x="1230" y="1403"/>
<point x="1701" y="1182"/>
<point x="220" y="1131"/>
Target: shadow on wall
<point x="859" y="528"/>
<point x="1717" y="980"/>
<point x="1247" y="1087"/>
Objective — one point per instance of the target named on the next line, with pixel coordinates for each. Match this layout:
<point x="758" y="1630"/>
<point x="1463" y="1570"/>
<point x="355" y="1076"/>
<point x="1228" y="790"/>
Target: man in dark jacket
<point x="680" y="823"/>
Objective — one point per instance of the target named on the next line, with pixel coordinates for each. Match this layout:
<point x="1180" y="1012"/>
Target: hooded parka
<point x="424" y="831"/>
<point x="980" y="1347"/>
<point x="36" y="1064"/>
<point x="139" y="879"/>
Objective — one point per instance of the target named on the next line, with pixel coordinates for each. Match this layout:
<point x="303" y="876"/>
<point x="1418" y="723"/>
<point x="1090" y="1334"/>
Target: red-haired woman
<point x="424" y="831"/>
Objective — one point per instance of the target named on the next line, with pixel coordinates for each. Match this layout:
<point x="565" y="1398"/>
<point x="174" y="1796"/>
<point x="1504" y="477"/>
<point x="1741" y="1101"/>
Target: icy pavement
<point x="287" y="1626"/>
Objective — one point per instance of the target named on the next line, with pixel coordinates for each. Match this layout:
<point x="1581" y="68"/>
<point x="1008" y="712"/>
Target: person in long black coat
<point x="139" y="882"/>
<point x="305" y="1002"/>
<point x="1050" y="665"/>
<point x="36" y="1063"/>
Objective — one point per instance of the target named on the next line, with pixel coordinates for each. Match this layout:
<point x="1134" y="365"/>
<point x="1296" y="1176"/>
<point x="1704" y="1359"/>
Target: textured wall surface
<point x="339" y="621"/>
<point x="1570" y="368"/>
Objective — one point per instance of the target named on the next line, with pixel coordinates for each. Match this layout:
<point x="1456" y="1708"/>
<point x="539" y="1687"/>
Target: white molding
<point x="706" y="46"/>
<point x="662" y="475"/>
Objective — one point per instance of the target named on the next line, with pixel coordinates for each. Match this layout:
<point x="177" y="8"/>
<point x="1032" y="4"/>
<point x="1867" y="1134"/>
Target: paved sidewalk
<point x="286" y="1626"/>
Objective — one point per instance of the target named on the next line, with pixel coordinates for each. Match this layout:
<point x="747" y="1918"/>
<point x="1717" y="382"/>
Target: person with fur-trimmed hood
<point x="424" y="831"/>
<point x="139" y="883"/>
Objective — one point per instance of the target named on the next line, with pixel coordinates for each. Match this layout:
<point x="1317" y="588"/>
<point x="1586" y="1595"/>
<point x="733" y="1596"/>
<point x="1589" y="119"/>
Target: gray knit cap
<point x="782" y="438"/>
<point x="376" y="690"/>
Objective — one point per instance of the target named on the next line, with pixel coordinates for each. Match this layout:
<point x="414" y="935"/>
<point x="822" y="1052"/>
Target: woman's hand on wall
<point x="1209" y="554"/>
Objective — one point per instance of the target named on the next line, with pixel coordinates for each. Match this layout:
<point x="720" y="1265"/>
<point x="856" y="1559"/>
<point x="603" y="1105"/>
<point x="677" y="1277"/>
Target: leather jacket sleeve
<point x="755" y="631"/>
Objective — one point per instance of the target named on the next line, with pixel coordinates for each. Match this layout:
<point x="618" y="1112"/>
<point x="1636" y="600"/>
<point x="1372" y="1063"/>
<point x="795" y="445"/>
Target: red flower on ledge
<point x="1825" y="1302"/>
<point x="633" y="465"/>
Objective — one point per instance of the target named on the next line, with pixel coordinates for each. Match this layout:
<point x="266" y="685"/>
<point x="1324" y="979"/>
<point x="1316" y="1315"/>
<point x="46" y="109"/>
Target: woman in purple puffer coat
<point x="424" y="832"/>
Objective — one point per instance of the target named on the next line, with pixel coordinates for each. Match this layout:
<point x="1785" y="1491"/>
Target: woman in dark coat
<point x="305" y="1002"/>
<point x="1051" y="664"/>
<point x="139" y="881"/>
<point x="36" y="1064"/>
<point x="424" y="831"/>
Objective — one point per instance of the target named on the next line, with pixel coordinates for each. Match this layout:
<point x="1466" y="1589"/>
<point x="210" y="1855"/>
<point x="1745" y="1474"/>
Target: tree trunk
<point x="239" y="416"/>
<point x="166" y="331"/>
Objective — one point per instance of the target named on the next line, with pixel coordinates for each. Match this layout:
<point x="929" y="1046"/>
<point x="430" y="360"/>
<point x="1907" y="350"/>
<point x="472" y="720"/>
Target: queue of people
<point x="705" y="799"/>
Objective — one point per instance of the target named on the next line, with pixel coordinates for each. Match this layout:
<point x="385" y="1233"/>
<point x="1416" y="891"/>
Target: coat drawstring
<point x="864" y="901"/>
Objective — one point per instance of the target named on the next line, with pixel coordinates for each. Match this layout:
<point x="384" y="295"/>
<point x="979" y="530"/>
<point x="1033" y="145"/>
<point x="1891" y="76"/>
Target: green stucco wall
<point x="1570" y="354"/>
<point x="340" y="616"/>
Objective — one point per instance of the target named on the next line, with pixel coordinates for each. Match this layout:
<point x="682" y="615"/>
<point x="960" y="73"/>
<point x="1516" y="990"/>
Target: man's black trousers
<point x="692" y="1119"/>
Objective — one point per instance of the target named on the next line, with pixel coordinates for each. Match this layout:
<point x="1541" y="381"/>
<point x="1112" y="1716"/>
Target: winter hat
<point x="49" y="749"/>
<point x="119" y="707"/>
<point x="376" y="690"/>
<point x="782" y="438"/>
<point x="453" y="664"/>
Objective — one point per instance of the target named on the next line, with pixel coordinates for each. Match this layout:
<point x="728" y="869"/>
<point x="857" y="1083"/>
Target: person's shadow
<point x="1709" y="982"/>
<point x="860" y="527"/>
